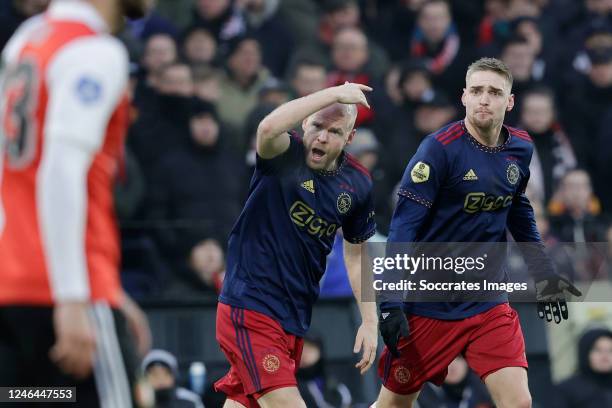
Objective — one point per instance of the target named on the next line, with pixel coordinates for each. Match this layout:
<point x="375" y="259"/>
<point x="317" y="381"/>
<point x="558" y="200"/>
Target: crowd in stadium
<point x="204" y="73"/>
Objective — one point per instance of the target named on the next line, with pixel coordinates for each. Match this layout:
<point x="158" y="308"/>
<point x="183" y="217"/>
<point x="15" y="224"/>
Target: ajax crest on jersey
<point x="512" y="173"/>
<point x="343" y="203"/>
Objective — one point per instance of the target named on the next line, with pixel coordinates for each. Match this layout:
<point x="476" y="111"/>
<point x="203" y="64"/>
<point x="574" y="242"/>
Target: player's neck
<point x="491" y="137"/>
<point x="333" y="165"/>
<point x="110" y="12"/>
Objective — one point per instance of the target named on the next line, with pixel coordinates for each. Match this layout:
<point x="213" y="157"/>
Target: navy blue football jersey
<point x="456" y="189"/>
<point x="278" y="247"/>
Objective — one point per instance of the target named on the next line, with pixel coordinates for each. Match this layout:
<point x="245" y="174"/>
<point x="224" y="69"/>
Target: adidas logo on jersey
<point x="470" y="176"/>
<point x="308" y="185"/>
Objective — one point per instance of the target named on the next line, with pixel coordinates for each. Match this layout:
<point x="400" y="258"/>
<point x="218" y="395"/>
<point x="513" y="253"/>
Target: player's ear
<point x="510" y="103"/>
<point x="304" y="124"/>
<point x="350" y="137"/>
<point x="463" y="97"/>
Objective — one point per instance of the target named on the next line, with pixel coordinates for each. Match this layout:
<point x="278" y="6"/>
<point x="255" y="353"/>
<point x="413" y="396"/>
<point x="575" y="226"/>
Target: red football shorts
<point x="262" y="355"/>
<point x="489" y="341"/>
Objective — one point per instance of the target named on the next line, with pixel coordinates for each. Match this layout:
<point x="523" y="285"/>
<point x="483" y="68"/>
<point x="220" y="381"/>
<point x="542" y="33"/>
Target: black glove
<point x="550" y="294"/>
<point x="393" y="325"/>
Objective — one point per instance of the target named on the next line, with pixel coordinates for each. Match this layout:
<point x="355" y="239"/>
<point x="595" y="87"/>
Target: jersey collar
<point x="485" y="148"/>
<point x="77" y="10"/>
<point x="337" y="170"/>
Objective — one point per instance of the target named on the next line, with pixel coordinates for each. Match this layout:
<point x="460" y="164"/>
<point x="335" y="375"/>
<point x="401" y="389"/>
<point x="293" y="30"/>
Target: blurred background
<point x="205" y="72"/>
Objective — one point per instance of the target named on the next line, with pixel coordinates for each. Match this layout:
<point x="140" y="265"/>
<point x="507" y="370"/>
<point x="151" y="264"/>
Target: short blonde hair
<point x="490" y="64"/>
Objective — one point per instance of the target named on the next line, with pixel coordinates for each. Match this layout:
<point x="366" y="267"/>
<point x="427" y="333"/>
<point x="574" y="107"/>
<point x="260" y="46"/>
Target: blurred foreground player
<point x="466" y="183"/>
<point x="302" y="191"/>
<point x="64" y="113"/>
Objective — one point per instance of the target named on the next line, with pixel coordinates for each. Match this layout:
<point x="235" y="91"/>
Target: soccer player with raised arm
<point x="64" y="113"/>
<point x="303" y="190"/>
<point x="466" y="183"/>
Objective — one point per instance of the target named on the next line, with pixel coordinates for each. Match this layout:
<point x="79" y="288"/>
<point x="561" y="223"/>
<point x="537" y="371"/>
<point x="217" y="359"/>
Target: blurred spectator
<point x="409" y="84"/>
<point x="207" y="83"/>
<point x="208" y="262"/>
<point x="130" y="188"/>
<point x="272" y="33"/>
<point x="349" y="56"/>
<point x="316" y="388"/>
<point x="221" y="18"/>
<point x="240" y="87"/>
<point x="302" y="17"/>
<point x="461" y="389"/>
<point x="429" y="115"/>
<point x="161" y="371"/>
<point x="433" y="114"/>
<point x="394" y="25"/>
<point x="518" y="55"/>
<point x="307" y="77"/>
<point x="588" y="17"/>
<point x="546" y="64"/>
<point x="250" y="135"/>
<point x="15" y="12"/>
<point x="274" y="92"/>
<point x="396" y="126"/>
<point x="591" y="386"/>
<point x="162" y="123"/>
<point x="574" y="210"/>
<point x="587" y="102"/>
<point x="601" y="165"/>
<point x="199" y="46"/>
<point x="186" y="194"/>
<point x="159" y="51"/>
<point x="436" y="40"/>
<point x="366" y="149"/>
<point x="337" y="14"/>
<point x="494" y="28"/>
<point x="153" y="23"/>
<point x="524" y="8"/>
<point x="176" y="80"/>
<point x="553" y="155"/>
<point x="340" y="15"/>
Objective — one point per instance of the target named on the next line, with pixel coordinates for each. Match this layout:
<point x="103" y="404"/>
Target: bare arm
<point x="367" y="335"/>
<point x="272" y="138"/>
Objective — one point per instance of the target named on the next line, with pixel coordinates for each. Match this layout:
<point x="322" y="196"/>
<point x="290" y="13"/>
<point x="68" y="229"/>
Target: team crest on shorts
<point x="343" y="203"/>
<point x="402" y="375"/>
<point x="271" y="363"/>
<point x="512" y="173"/>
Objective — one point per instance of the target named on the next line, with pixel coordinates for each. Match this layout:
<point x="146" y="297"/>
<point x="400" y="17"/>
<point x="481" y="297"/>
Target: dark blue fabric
<point x="278" y="247"/>
<point x="456" y="190"/>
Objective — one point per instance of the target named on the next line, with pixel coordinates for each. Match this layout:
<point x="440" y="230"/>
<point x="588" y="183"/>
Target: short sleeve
<point x="289" y="158"/>
<point x="360" y="225"/>
<point x="86" y="80"/>
<point x="424" y="173"/>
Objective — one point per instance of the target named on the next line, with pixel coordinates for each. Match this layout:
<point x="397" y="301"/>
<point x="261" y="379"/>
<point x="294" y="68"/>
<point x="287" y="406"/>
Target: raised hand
<point x="352" y="93"/>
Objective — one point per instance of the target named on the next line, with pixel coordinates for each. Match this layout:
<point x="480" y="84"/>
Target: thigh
<point x="497" y="342"/>
<point x="284" y="397"/>
<point x="262" y="356"/>
<point x="424" y="356"/>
